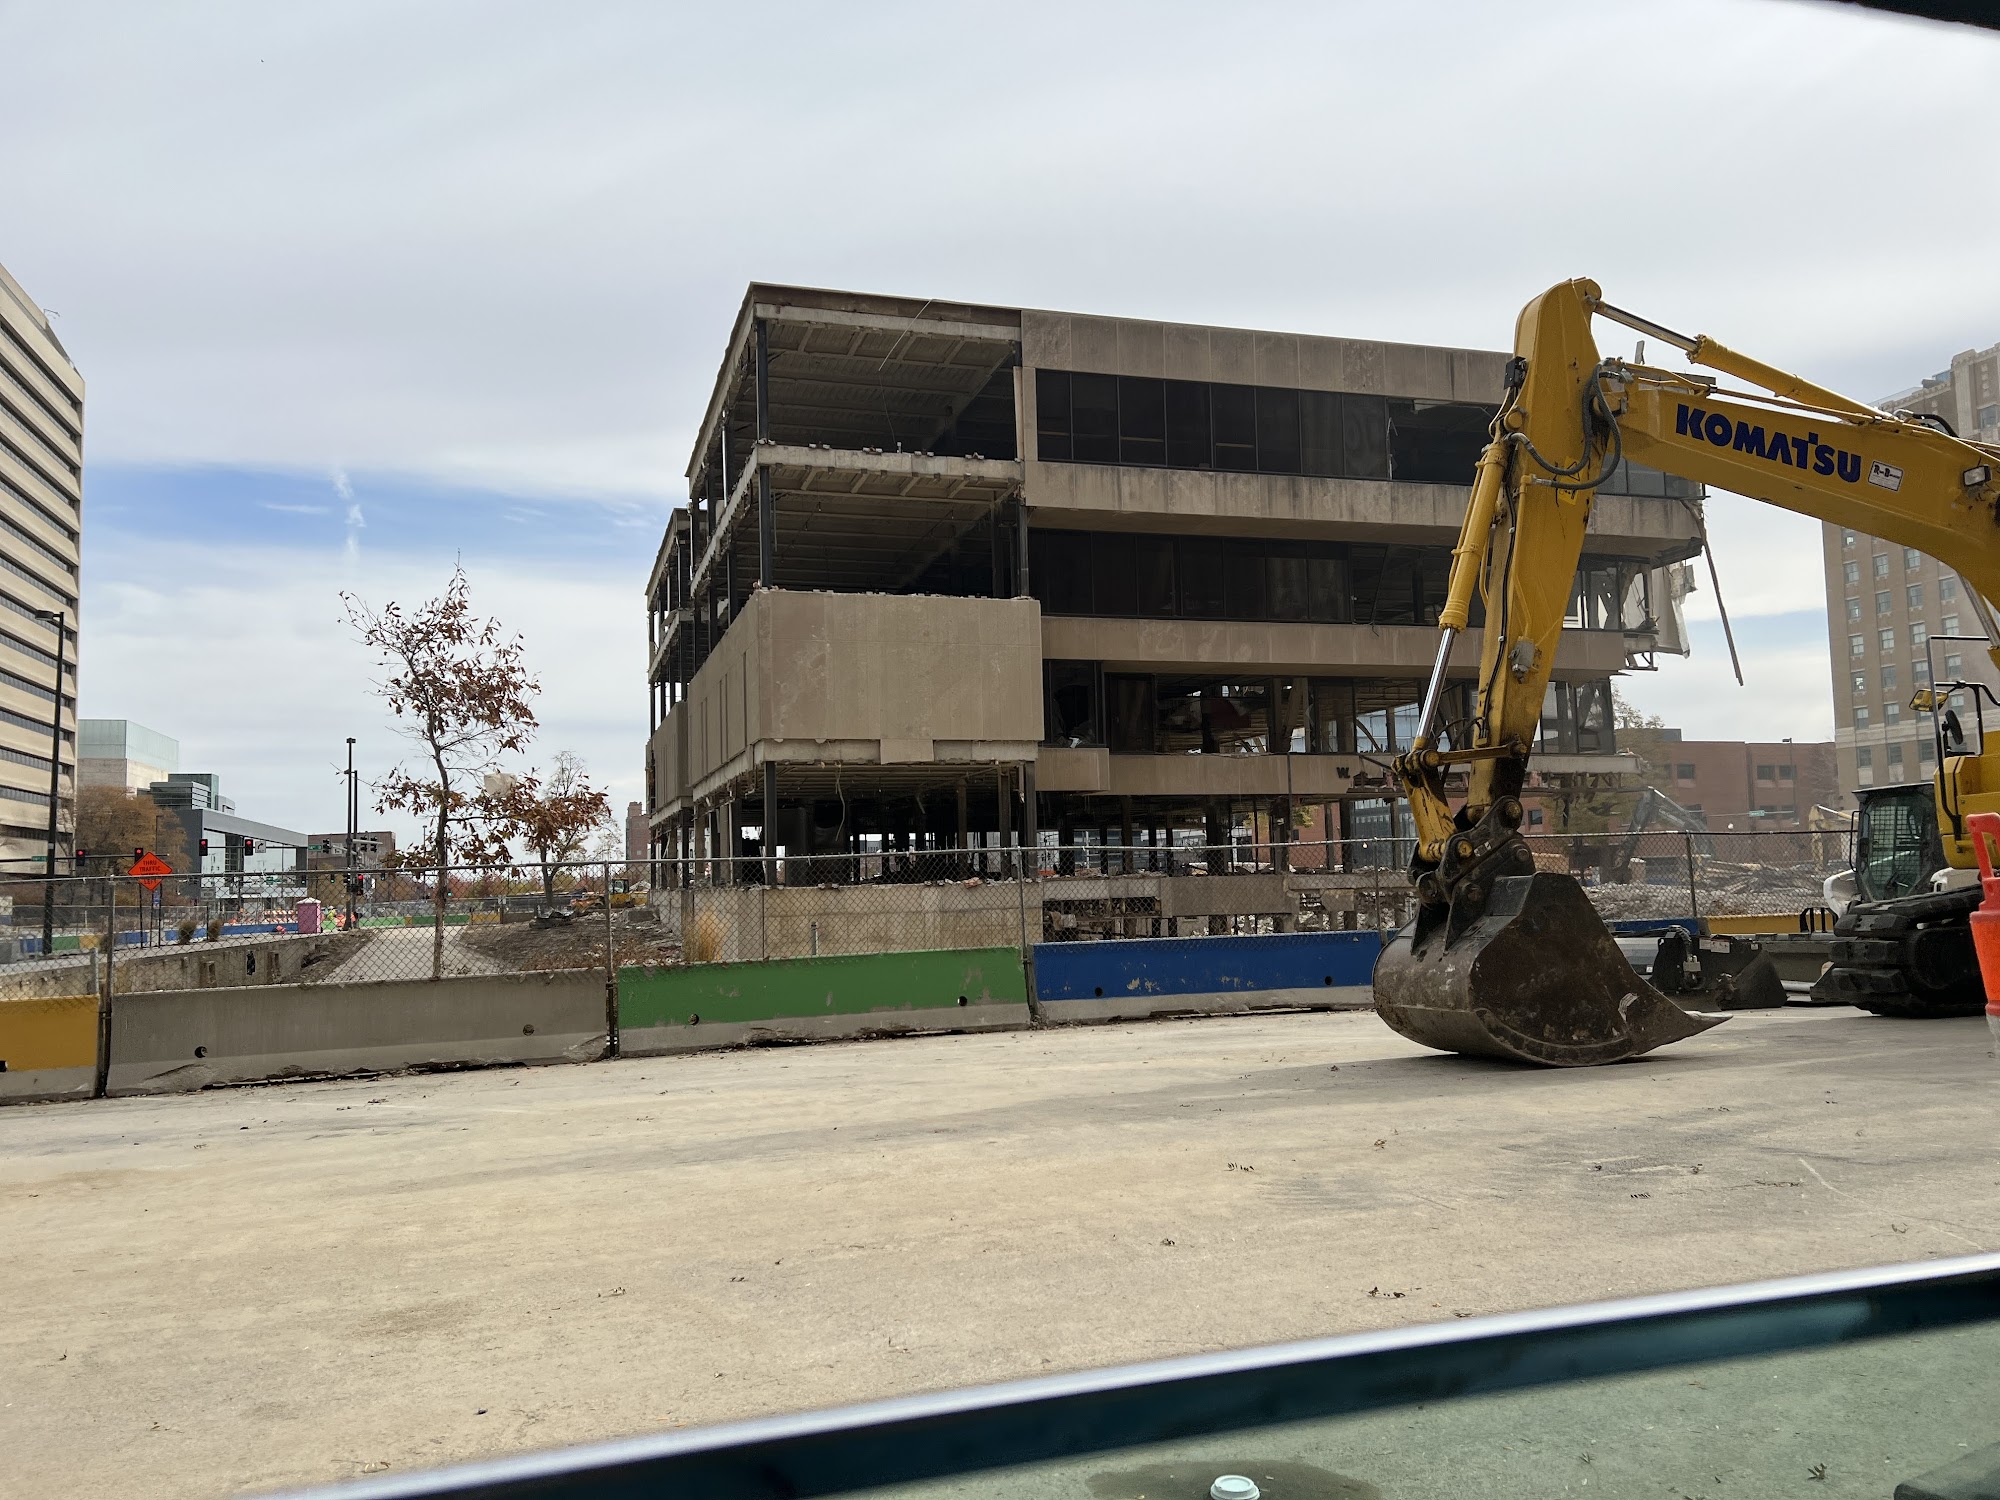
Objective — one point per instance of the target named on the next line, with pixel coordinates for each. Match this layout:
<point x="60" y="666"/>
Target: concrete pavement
<point x="255" y="1287"/>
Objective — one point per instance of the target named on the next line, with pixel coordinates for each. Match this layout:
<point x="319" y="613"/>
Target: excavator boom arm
<point x="1505" y="958"/>
<point x="1570" y="415"/>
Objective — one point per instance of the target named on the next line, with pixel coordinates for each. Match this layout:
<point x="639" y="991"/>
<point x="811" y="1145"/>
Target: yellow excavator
<point x="1505" y="960"/>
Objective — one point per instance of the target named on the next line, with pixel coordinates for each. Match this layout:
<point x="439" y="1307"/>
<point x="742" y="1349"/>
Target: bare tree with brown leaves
<point x="554" y="818"/>
<point x="460" y="694"/>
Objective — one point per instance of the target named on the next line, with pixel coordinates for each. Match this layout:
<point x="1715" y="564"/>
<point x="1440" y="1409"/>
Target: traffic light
<point x="138" y="854"/>
<point x="81" y="854"/>
<point x="249" y="846"/>
<point x="204" y="848"/>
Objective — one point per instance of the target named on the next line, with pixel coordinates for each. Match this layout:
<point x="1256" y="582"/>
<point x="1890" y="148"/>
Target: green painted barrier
<point x="853" y="985"/>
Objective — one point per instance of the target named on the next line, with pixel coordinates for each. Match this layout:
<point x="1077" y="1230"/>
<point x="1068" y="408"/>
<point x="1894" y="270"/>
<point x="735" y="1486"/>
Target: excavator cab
<point x="1896" y="844"/>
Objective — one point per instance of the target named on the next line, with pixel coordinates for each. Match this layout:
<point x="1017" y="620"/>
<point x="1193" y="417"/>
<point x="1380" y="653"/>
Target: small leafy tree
<point x="462" y="697"/>
<point x="111" y="822"/>
<point x="554" y="818"/>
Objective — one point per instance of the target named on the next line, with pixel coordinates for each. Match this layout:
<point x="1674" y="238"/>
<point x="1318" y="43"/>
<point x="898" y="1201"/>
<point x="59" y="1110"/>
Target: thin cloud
<point x="297" y="510"/>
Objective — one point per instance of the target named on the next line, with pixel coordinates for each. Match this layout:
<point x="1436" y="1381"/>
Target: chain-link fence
<point x="219" y="930"/>
<point x="179" y="932"/>
<point x="889" y="900"/>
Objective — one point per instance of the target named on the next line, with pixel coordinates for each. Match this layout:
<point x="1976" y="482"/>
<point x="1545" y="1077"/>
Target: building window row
<point x="24" y="758"/>
<point x="35" y="466"/>
<point x="63" y="461"/>
<point x="1189" y="714"/>
<point x="1142" y="421"/>
<point x="66" y="599"/>
<point x="1126" y="575"/>
<point x="41" y="364"/>
<point x="33" y="689"/>
<point x="56" y="522"/>
<point x="21" y="794"/>
<point x="38" y="726"/>
<point x="40" y="403"/>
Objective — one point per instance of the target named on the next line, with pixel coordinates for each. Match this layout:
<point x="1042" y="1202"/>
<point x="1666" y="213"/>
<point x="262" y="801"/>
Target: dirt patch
<point x="579" y="944"/>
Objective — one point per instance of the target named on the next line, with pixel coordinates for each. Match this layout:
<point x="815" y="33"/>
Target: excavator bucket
<point x="1520" y="966"/>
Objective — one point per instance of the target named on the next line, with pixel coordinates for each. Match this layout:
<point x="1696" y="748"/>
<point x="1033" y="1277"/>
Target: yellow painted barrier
<point x="1752" y="926"/>
<point x="55" y="1033"/>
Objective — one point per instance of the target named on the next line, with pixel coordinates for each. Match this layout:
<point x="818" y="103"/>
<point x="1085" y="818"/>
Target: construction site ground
<point x="258" y="1287"/>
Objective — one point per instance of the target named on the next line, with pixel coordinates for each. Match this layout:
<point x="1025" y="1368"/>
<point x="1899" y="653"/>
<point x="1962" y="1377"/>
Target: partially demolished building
<point x="956" y="576"/>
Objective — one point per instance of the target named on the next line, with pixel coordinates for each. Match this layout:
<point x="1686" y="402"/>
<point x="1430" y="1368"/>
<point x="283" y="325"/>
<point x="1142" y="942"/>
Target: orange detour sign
<point x="150" y="865"/>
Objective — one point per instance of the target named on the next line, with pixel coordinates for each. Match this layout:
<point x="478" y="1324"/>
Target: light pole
<point x="60" y="620"/>
<point x="353" y="818"/>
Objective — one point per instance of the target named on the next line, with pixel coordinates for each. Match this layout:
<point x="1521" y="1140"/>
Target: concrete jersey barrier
<point x="806" y="999"/>
<point x="1138" y="977"/>
<point x="173" y="1040"/>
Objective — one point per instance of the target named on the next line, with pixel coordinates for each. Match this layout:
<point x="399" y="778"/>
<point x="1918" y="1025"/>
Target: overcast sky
<point x="360" y="289"/>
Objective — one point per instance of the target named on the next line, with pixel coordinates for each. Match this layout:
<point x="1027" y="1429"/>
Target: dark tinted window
<point x="1234" y="413"/>
<point x="1286" y="583"/>
<point x="1059" y="569"/>
<point x="1129" y="714"/>
<point x="1069" y="708"/>
<point x="1142" y="421"/>
<point x="1243" y="572"/>
<point x="1319" y="432"/>
<point x="1198" y="566"/>
<point x="1114" y="584"/>
<point x="1277" y="430"/>
<point x="1154" y="570"/>
<point x="1364" y="437"/>
<point x="1052" y="414"/>
<point x="1187" y="425"/>
<point x="1093" y="410"/>
<point x="1328" y="594"/>
<point x="1436" y="442"/>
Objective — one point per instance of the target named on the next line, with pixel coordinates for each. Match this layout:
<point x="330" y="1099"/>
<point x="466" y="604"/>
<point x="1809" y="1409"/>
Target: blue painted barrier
<point x="1654" y="926"/>
<point x="1132" y="973"/>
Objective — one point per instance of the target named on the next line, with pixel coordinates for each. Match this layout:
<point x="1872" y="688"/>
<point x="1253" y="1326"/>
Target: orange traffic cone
<point x="1982" y="826"/>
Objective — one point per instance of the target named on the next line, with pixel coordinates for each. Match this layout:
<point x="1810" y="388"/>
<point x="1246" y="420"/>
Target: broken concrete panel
<point x="895" y="672"/>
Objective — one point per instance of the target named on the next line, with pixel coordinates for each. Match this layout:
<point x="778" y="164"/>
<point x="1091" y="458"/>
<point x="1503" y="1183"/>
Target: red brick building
<point x="1737" y="786"/>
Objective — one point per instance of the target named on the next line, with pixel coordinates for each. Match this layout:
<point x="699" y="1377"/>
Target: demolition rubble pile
<point x="1722" y="888"/>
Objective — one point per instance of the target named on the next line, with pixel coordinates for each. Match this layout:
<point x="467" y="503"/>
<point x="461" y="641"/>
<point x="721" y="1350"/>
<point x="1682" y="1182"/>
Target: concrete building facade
<point x="1893" y="613"/>
<point x="954" y="574"/>
<point x="41" y="525"/>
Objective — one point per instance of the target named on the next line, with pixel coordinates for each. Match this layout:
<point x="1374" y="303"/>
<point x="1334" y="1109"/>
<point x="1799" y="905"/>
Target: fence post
<point x="1035" y="1013"/>
<point x="1694" y="901"/>
<point x="1376" y="866"/>
<point x="610" y="974"/>
<point x="102" y="1081"/>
